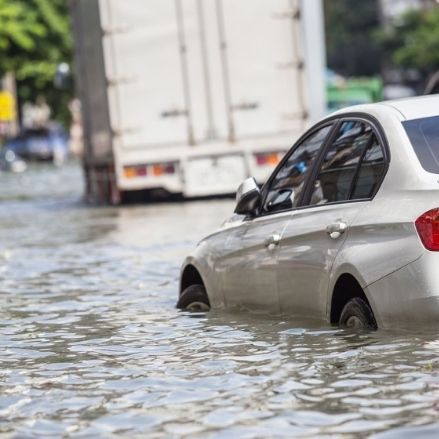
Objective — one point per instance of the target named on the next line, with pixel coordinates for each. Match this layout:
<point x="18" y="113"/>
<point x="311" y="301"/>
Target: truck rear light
<point x="427" y="226"/>
<point x="141" y="171"/>
<point x="163" y="169"/>
<point x="268" y="159"/>
<point x="157" y="170"/>
<point x="135" y="171"/>
<point x="170" y="169"/>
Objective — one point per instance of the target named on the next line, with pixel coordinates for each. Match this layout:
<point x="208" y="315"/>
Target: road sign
<point x="7" y="107"/>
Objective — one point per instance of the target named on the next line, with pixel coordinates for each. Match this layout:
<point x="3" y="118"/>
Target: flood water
<point x="92" y="345"/>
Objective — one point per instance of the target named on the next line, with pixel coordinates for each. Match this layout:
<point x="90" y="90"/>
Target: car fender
<point x="203" y="259"/>
<point x="409" y="297"/>
<point x="372" y="253"/>
<point x="342" y="269"/>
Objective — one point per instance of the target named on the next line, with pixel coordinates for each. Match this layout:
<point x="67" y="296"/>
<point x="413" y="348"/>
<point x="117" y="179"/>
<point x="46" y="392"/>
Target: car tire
<point x="357" y="314"/>
<point x="194" y="298"/>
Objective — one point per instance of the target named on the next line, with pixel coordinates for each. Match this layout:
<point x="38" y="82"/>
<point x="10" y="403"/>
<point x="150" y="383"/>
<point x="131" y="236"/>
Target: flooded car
<point x="41" y="144"/>
<point x="346" y="229"/>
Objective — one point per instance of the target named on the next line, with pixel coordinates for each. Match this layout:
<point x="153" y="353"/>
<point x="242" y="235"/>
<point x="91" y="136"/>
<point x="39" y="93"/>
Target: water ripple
<point x="92" y="346"/>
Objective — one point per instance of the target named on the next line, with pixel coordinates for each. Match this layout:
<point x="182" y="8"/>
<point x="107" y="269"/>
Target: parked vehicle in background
<point x="41" y="144"/>
<point x="345" y="230"/>
<point x="353" y="91"/>
<point x="398" y="91"/>
<point x="190" y="97"/>
<point x="10" y="162"/>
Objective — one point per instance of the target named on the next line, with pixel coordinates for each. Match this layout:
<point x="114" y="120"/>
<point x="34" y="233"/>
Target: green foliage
<point x="413" y="41"/>
<point x="351" y="47"/>
<point x="34" y="38"/>
<point x="19" y="28"/>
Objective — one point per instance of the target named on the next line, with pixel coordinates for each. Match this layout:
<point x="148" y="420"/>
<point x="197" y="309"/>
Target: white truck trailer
<point x="190" y="97"/>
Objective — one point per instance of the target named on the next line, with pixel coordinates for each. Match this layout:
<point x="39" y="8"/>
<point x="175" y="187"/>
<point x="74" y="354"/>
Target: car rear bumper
<point x="408" y="297"/>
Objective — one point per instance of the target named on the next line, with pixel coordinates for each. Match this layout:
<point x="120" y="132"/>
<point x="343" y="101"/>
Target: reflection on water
<point x="91" y="344"/>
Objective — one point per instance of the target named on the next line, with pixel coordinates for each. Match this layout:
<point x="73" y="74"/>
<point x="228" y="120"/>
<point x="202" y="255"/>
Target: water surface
<point x="92" y="346"/>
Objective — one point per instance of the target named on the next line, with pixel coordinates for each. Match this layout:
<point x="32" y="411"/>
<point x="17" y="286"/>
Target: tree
<point x="18" y="32"/>
<point x="34" y="39"/>
<point x="351" y="47"/>
<point x="413" y="41"/>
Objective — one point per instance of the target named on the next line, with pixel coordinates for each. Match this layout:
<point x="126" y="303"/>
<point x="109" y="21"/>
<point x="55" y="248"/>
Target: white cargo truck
<point x="190" y="97"/>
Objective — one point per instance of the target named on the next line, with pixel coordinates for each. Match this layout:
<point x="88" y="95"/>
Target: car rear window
<point x="424" y="136"/>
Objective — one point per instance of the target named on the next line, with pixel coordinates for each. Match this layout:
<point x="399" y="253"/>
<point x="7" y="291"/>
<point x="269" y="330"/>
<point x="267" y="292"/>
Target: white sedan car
<point x="345" y="230"/>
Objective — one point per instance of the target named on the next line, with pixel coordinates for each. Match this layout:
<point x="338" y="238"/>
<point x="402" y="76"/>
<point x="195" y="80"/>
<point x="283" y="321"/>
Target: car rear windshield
<point x="424" y="136"/>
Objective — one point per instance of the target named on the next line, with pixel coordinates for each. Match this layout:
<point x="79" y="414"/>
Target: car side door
<point x="341" y="186"/>
<point x="248" y="264"/>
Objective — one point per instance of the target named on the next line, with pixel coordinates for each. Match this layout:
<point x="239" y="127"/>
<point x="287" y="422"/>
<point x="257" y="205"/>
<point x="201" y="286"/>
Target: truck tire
<point x="194" y="298"/>
<point x="357" y="314"/>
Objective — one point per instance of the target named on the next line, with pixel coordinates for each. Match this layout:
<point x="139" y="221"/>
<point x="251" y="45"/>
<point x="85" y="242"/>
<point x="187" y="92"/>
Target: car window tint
<point x="371" y="171"/>
<point x="424" y="136"/>
<point x="339" y="166"/>
<point x="286" y="188"/>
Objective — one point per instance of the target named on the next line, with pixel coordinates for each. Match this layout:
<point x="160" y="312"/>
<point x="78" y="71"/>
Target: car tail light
<point x="268" y="159"/>
<point x="427" y="226"/>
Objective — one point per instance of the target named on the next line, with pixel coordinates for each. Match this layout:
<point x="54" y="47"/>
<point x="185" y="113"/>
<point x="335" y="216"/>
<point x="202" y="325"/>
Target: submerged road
<point x="92" y="346"/>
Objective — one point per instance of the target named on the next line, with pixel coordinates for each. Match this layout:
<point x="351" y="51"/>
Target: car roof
<point x="417" y="107"/>
<point x="410" y="108"/>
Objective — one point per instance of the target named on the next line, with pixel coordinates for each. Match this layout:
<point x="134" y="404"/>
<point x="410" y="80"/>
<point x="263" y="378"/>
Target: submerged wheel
<point x="357" y="314"/>
<point x="194" y="298"/>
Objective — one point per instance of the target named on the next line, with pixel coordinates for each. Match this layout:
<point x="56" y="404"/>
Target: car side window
<point x="339" y="167"/>
<point x="371" y="171"/>
<point x="287" y="186"/>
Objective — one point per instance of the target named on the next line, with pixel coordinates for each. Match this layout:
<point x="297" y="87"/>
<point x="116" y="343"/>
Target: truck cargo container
<point x="189" y="97"/>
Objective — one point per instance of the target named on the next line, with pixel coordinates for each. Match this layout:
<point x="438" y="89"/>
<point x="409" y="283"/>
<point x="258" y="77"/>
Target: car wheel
<point x="357" y="314"/>
<point x="194" y="298"/>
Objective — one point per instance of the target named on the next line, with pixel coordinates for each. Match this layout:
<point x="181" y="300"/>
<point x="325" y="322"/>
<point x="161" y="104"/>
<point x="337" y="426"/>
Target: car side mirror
<point x="248" y="197"/>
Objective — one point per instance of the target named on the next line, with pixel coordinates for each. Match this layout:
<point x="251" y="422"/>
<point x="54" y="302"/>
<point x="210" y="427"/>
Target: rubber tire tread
<point x="193" y="293"/>
<point x="359" y="308"/>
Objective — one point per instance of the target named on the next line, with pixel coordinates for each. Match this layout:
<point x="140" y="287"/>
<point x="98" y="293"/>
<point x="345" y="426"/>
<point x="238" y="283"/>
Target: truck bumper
<point x="194" y="175"/>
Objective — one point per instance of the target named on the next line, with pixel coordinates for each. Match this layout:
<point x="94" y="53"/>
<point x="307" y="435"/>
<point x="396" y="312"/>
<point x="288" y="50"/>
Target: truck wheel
<point x="194" y="298"/>
<point x="357" y="314"/>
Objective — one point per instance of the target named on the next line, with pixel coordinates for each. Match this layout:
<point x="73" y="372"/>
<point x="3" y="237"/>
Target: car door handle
<point x="335" y="230"/>
<point x="273" y="241"/>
